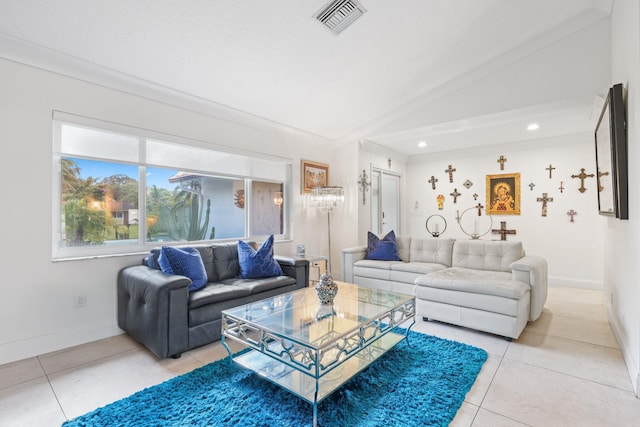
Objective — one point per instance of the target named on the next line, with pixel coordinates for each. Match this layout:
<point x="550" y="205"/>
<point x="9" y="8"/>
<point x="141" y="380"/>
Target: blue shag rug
<point x="423" y="384"/>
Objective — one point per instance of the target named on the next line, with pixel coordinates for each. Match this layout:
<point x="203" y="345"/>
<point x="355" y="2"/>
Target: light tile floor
<point x="565" y="370"/>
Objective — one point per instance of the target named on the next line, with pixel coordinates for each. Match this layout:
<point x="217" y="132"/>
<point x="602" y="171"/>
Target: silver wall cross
<point x="364" y="184"/>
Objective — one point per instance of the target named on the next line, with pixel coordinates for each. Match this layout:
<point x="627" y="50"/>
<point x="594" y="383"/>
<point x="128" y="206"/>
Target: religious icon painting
<point x="503" y="194"/>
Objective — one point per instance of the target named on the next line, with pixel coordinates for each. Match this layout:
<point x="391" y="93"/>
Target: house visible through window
<point x="121" y="190"/>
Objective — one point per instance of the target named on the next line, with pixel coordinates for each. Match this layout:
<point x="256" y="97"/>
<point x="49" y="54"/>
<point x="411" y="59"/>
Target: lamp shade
<point x="327" y="198"/>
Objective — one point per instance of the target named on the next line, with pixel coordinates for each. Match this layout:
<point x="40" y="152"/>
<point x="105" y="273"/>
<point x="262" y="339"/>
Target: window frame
<point x="142" y="135"/>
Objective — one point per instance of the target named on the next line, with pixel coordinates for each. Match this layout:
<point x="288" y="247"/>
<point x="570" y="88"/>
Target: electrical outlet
<point x="81" y="301"/>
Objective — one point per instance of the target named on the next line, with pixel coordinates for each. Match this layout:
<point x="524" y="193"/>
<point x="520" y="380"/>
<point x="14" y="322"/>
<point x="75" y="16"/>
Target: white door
<point x="390" y="203"/>
<point x="385" y="202"/>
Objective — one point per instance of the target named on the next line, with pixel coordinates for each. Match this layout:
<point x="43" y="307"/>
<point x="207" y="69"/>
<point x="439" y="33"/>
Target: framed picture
<point x="503" y="194"/>
<point x="313" y="175"/>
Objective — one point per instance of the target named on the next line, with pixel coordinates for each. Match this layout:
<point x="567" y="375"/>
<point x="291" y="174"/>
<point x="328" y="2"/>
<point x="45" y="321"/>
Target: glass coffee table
<point x="312" y="349"/>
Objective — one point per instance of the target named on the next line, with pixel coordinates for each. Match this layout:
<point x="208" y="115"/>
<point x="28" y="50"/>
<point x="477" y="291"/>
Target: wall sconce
<point x="364" y="184"/>
<point x="278" y="199"/>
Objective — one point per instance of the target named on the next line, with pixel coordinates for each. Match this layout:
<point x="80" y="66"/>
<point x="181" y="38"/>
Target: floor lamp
<point x="325" y="199"/>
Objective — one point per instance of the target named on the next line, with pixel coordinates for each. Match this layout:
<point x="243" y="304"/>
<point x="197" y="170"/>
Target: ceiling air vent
<point x="339" y="14"/>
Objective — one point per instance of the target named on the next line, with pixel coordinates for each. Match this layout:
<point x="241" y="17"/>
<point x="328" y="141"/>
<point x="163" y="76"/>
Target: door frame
<point x="378" y="225"/>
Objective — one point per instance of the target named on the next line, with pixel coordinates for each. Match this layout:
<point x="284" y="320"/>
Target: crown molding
<point x="23" y="52"/>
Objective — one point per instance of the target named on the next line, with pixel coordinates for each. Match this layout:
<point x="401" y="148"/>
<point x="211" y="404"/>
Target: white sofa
<point x="485" y="285"/>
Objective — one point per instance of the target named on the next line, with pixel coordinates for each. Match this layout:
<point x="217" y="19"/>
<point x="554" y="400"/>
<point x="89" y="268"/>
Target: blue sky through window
<point x="100" y="170"/>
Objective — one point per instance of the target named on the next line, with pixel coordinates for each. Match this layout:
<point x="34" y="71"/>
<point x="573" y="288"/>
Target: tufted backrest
<point x="403" y="243"/>
<point x="220" y="259"/>
<point x="431" y="250"/>
<point x="486" y="255"/>
<point x="225" y="260"/>
<point x="206" y="253"/>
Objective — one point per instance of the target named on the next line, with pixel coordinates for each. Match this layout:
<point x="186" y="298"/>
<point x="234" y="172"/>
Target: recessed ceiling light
<point x="533" y="126"/>
<point x="422" y="144"/>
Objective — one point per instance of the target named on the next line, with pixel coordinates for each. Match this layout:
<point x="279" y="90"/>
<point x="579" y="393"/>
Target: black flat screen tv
<point x="611" y="156"/>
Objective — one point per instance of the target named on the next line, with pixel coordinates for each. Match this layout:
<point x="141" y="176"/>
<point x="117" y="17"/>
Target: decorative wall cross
<point x="531" y="186"/>
<point x="544" y="199"/>
<point x="433" y="181"/>
<point x="561" y="188"/>
<point x="475" y="196"/>
<point x="582" y="176"/>
<point x="572" y="213"/>
<point x="389" y="162"/>
<point x="455" y="195"/>
<point x="550" y="169"/>
<point x="600" y="175"/>
<point x="503" y="231"/>
<point x="458" y="216"/>
<point x="450" y="171"/>
<point x="480" y="207"/>
<point x="501" y="160"/>
<point x="364" y="184"/>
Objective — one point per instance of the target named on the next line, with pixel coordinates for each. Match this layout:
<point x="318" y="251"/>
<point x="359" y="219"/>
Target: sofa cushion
<point x="417" y="267"/>
<point x="436" y="251"/>
<point x="206" y="253"/>
<point x="486" y="255"/>
<point x="394" y="271"/>
<point x="373" y="268"/>
<point x="477" y="302"/>
<point x="184" y="262"/>
<point x="261" y="285"/>
<point x="235" y="288"/>
<point x="404" y="246"/>
<point x="216" y="292"/>
<point x="209" y="314"/>
<point x="385" y="249"/>
<point x="255" y="264"/>
<point x="225" y="261"/>
<point x="474" y="281"/>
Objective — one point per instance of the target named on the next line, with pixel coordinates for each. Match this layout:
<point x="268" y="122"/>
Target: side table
<point x="317" y="266"/>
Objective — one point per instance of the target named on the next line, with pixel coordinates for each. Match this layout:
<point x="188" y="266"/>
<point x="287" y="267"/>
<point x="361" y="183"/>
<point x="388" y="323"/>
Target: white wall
<point x="37" y="313"/>
<point x="344" y="217"/>
<point x="572" y="250"/>
<point x="622" y="238"/>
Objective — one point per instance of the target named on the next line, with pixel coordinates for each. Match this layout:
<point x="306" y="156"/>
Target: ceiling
<point x="374" y="81"/>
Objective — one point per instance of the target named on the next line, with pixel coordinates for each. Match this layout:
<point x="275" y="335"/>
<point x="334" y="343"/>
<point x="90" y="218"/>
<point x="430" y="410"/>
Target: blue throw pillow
<point x="255" y="264"/>
<point x="185" y="262"/>
<point x="151" y="260"/>
<point x="382" y="250"/>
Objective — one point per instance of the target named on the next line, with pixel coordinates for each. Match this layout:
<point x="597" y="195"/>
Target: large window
<point x="120" y="190"/>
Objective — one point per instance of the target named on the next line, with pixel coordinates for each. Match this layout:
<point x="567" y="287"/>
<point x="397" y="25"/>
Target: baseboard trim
<point x="632" y="365"/>
<point x="42" y="344"/>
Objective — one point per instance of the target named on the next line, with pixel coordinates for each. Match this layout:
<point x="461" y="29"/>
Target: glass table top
<point x="300" y="316"/>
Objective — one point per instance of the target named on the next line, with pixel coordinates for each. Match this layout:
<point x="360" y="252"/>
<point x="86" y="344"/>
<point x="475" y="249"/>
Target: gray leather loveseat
<point x="158" y="310"/>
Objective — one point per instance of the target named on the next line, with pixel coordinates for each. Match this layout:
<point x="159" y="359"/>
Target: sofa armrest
<point x="153" y="309"/>
<point x="349" y="257"/>
<point x="296" y="268"/>
<point x="533" y="270"/>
